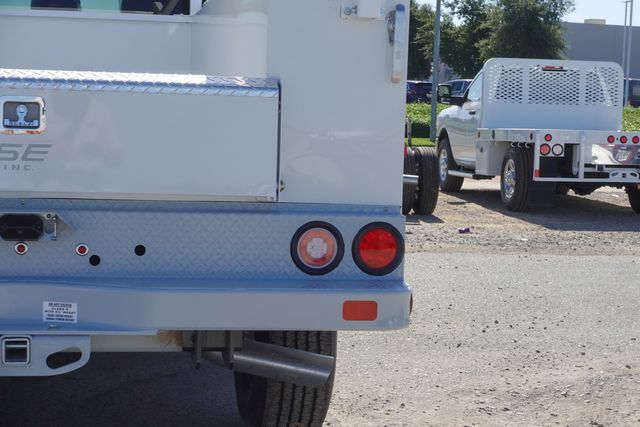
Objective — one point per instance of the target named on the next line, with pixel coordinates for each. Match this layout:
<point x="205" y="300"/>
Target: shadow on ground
<point x="564" y="213"/>
<point x="124" y="390"/>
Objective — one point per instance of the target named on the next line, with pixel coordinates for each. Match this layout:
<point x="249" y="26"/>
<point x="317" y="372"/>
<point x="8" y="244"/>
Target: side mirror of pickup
<point x="444" y="96"/>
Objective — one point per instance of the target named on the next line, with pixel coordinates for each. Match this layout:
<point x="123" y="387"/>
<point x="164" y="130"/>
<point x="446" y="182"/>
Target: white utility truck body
<point x="565" y="117"/>
<point x="208" y="181"/>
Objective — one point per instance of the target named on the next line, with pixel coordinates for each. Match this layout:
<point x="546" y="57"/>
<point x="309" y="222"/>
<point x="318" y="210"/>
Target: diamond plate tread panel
<point x="181" y="84"/>
<point x="183" y="240"/>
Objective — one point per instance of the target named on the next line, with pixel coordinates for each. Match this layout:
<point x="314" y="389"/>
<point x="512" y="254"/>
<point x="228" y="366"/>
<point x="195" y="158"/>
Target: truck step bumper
<point x="144" y="306"/>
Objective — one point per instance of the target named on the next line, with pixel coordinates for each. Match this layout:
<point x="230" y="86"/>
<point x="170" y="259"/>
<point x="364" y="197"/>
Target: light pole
<point x="629" y="35"/>
<point x="434" y="75"/>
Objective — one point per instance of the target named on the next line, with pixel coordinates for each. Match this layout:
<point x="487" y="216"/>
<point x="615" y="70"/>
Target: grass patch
<point x="631" y="119"/>
<point x="419" y="142"/>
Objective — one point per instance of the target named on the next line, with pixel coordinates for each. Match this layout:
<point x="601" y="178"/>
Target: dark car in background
<point x="459" y="86"/>
<point x="418" y="91"/>
<point x="633" y="97"/>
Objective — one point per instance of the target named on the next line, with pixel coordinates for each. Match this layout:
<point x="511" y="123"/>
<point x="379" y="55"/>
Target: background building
<point x="596" y="41"/>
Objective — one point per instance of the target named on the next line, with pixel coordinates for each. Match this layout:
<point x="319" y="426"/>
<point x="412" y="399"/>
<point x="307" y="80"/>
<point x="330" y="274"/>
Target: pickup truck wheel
<point x="265" y="402"/>
<point x="516" y="179"/>
<point x="634" y="197"/>
<point x="427" y="161"/>
<point x="446" y="163"/>
<point x="408" y="190"/>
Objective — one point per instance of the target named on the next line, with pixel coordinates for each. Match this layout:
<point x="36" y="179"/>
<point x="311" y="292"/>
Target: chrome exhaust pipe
<point x="278" y="363"/>
<point x="410" y="179"/>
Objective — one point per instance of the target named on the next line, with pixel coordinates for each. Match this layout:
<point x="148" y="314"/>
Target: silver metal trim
<point x="179" y="84"/>
<point x="397" y="22"/>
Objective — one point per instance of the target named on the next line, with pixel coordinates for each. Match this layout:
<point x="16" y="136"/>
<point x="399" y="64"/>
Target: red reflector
<point x="611" y="139"/>
<point x="82" y="250"/>
<point x="360" y="310"/>
<point x="636" y="139"/>
<point x="548" y="137"/>
<point x="545" y="149"/>
<point x="406" y="150"/>
<point x="21" y="248"/>
<point x="378" y="248"/>
<point x="623" y="139"/>
<point x="536" y="173"/>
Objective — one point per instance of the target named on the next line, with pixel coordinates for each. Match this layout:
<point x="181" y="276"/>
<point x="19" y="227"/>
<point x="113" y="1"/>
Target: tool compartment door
<point x="138" y="136"/>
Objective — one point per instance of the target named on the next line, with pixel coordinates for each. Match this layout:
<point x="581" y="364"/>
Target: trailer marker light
<point x="366" y="311"/>
<point x="623" y="139"/>
<point x="21" y="248"/>
<point x="536" y="173"/>
<point x="378" y="249"/>
<point x="558" y="150"/>
<point x="82" y="249"/>
<point x="317" y="248"/>
<point x="548" y="137"/>
<point x="636" y="139"/>
<point x="611" y="139"/>
<point x="545" y="149"/>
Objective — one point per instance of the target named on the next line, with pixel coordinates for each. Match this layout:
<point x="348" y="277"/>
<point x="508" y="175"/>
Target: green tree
<point x="422" y="16"/>
<point x="526" y="29"/>
<point x="461" y="44"/>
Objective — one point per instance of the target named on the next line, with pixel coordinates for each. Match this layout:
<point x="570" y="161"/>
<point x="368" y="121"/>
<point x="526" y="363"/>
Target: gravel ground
<point x="530" y="320"/>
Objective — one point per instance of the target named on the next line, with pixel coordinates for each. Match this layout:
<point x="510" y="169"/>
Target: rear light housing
<point x="623" y="139"/>
<point x="317" y="248"/>
<point x="378" y="249"/>
<point x="611" y="139"/>
<point x="558" y="150"/>
<point x="548" y="137"/>
<point x="545" y="149"/>
<point x="636" y="139"/>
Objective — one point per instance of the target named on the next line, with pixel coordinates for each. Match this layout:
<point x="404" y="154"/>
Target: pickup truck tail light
<point x="317" y="248"/>
<point x="378" y="249"/>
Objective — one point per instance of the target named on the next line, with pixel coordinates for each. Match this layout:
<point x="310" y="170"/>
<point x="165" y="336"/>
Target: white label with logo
<point x="63" y="312"/>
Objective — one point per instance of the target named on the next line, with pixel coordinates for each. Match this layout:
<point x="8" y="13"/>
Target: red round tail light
<point x="548" y="137"/>
<point x="21" y="248"/>
<point x="317" y="248"/>
<point x="611" y="139"/>
<point x="623" y="139"/>
<point x="636" y="139"/>
<point x="378" y="249"/>
<point x="545" y="149"/>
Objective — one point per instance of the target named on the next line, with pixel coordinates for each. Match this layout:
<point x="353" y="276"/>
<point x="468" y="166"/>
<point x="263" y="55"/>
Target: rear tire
<point x="516" y="179"/>
<point x="445" y="164"/>
<point x="264" y="402"/>
<point x="409" y="190"/>
<point x="427" y="161"/>
<point x="634" y="197"/>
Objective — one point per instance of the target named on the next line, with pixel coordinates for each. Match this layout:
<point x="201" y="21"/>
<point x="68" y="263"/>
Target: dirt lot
<point x="531" y="319"/>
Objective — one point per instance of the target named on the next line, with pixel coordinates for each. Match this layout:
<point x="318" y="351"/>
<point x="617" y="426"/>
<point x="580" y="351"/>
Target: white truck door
<point x="470" y="116"/>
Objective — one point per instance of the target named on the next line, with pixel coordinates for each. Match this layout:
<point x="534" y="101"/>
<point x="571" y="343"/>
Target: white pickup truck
<point x="542" y="126"/>
<point x="179" y="176"/>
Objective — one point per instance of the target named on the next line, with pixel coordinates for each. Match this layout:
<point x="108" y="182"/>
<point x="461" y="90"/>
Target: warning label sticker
<point x="65" y="312"/>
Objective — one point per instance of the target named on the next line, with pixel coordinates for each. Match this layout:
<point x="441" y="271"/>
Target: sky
<point x="611" y="10"/>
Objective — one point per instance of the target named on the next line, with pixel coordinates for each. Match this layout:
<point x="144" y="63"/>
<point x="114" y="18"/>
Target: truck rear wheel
<point x="408" y="190"/>
<point x="516" y="180"/>
<point x="634" y="197"/>
<point x="265" y="402"/>
<point x="446" y="163"/>
<point x="427" y="161"/>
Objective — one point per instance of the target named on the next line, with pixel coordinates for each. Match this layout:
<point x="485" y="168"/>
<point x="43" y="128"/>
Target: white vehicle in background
<point x="171" y="181"/>
<point x="542" y="126"/>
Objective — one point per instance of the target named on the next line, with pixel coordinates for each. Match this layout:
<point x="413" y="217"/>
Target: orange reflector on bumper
<point x="360" y="310"/>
